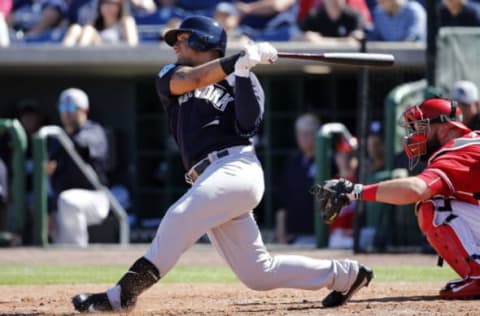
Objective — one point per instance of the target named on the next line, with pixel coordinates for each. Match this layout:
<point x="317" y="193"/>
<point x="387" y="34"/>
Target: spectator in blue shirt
<point x="398" y="21"/>
<point x="459" y="13"/>
<point x="269" y="20"/>
<point x="35" y="19"/>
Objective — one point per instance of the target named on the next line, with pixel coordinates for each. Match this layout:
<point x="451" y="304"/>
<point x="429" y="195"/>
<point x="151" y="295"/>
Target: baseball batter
<point x="214" y="106"/>
<point x="447" y="191"/>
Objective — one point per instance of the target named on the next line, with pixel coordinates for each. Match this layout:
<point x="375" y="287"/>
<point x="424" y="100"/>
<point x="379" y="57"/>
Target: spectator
<point x="32" y="119"/>
<point x="398" y="21"/>
<point x="80" y="11"/>
<point x="227" y="15"/>
<point x="358" y="5"/>
<point x="79" y="204"/>
<point x="5" y="9"/>
<point x="113" y="24"/>
<point x="333" y="19"/>
<point x="35" y="20"/>
<point x="294" y="216"/>
<point x="372" y="235"/>
<point x="375" y="148"/>
<point x="466" y="94"/>
<point x="269" y="20"/>
<point x="459" y="13"/>
<point x="341" y="230"/>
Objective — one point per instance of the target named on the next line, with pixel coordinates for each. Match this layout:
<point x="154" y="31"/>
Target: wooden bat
<point x="352" y="59"/>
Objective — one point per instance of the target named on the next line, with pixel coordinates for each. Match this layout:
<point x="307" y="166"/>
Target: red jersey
<point x="454" y="170"/>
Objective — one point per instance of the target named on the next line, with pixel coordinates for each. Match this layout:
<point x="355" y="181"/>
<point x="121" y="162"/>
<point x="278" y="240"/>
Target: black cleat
<point x="92" y="303"/>
<point x="364" y="276"/>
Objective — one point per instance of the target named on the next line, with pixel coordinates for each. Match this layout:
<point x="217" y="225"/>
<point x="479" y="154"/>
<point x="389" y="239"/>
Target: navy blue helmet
<point x="205" y="34"/>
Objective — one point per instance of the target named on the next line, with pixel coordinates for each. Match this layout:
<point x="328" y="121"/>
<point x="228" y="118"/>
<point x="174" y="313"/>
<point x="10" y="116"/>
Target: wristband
<point x="228" y="63"/>
<point x="369" y="192"/>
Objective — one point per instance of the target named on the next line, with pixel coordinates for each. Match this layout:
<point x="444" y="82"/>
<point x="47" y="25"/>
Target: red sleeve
<point x="436" y="181"/>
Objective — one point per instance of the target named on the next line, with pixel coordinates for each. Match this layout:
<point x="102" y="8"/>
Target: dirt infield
<point x="398" y="298"/>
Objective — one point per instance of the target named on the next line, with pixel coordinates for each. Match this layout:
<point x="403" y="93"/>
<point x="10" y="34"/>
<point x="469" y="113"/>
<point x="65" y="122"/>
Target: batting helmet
<point x="417" y="119"/>
<point x="205" y="34"/>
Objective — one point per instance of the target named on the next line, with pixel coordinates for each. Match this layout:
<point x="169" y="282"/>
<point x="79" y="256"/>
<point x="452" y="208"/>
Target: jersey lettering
<point x="217" y="97"/>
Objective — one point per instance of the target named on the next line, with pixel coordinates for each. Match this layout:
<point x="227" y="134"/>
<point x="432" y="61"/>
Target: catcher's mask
<point x="205" y="34"/>
<point x="417" y="119"/>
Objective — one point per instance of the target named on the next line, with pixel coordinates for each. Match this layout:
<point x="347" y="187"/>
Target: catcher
<point x="447" y="193"/>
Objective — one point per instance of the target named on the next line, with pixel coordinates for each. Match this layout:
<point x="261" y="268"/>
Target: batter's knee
<point x="425" y="215"/>
<point x="259" y="277"/>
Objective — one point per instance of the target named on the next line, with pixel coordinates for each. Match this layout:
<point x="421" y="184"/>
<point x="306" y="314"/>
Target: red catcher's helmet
<point x="417" y="119"/>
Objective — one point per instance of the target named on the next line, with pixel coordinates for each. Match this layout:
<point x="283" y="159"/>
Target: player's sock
<point x="141" y="275"/>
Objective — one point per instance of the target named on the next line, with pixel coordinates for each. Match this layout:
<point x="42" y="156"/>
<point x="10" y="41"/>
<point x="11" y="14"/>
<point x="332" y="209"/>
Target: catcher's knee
<point x="446" y="241"/>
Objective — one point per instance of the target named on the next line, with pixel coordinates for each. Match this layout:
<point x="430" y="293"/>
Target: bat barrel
<point x="354" y="59"/>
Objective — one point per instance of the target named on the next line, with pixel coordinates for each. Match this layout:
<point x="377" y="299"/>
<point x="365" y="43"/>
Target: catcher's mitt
<point x="331" y="197"/>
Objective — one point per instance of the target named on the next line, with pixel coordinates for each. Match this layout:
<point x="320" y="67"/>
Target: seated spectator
<point x="399" y="21"/>
<point x="5" y="9"/>
<point x="35" y="20"/>
<point x="375" y="148"/>
<point x="295" y="213"/>
<point x="459" y="13"/>
<point x="358" y="5"/>
<point x="81" y="12"/>
<point x="341" y="230"/>
<point x="268" y="20"/>
<point x="79" y="204"/>
<point x="227" y="15"/>
<point x="112" y="25"/>
<point x="334" y="19"/>
<point x="466" y="94"/>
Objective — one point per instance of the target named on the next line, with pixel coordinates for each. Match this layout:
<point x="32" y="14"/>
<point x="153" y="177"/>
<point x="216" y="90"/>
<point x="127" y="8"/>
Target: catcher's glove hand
<point x="332" y="195"/>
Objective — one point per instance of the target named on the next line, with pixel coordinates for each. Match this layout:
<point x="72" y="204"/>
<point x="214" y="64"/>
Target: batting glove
<point x="268" y="53"/>
<point x="249" y="59"/>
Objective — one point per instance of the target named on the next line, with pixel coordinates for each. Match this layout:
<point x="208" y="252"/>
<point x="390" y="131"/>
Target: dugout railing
<point x="18" y="144"/>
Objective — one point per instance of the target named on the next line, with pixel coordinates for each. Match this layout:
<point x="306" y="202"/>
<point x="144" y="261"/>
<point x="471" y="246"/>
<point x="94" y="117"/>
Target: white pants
<point x="78" y="208"/>
<point x="220" y="203"/>
<point x="466" y="225"/>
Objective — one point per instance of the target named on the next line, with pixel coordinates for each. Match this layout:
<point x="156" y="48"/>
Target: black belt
<point x="192" y="175"/>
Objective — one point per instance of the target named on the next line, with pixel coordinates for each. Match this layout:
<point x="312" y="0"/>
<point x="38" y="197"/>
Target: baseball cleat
<point x="467" y="289"/>
<point x="91" y="303"/>
<point x="335" y="298"/>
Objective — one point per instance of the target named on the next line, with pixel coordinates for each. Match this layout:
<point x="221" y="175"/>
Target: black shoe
<point x="365" y="275"/>
<point x="92" y="302"/>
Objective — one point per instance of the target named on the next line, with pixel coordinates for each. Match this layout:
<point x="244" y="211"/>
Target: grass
<point x="78" y="274"/>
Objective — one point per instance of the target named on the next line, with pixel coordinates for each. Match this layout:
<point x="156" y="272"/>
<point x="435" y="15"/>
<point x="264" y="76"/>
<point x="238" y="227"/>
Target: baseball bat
<point x="352" y="59"/>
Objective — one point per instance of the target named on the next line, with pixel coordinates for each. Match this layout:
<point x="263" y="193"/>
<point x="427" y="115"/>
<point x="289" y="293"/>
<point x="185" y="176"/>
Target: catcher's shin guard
<point x="446" y="239"/>
<point x="141" y="275"/>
